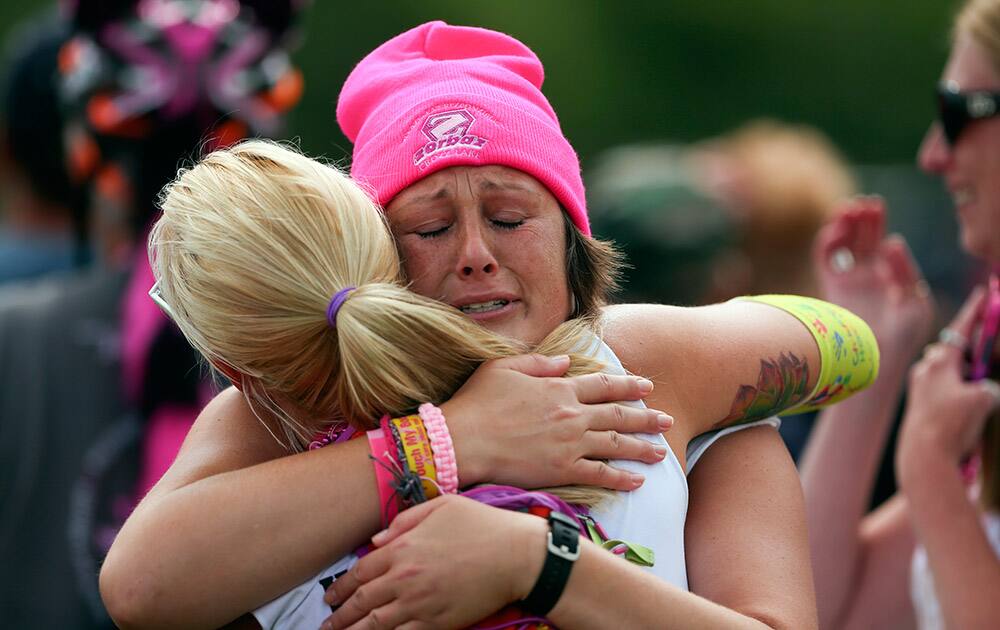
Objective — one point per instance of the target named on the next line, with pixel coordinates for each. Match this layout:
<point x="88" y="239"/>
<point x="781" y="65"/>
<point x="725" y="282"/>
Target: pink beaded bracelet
<point x="441" y="445"/>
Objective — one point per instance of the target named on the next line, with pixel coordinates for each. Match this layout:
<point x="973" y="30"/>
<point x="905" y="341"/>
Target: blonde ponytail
<point x="253" y="243"/>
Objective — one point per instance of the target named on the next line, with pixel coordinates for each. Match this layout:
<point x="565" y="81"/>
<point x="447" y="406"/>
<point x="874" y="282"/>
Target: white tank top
<point x="652" y="516"/>
<point x="925" y="602"/>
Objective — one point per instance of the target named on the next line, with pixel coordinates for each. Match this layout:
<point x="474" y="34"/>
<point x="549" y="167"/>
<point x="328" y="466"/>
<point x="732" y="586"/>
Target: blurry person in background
<point x="97" y="390"/>
<point x="40" y="204"/>
<point x="928" y="557"/>
<point x="780" y="182"/>
<point x="648" y="199"/>
<point x="732" y="215"/>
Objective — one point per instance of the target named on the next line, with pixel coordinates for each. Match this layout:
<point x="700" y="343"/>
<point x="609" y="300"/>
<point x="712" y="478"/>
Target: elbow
<point x="129" y="599"/>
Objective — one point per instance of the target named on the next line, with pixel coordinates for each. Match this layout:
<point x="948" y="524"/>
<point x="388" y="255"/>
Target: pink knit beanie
<point x="439" y="96"/>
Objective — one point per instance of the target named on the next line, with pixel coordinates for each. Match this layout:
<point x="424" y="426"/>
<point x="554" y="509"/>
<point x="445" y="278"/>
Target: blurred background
<point x="649" y="71"/>
<point x="715" y="139"/>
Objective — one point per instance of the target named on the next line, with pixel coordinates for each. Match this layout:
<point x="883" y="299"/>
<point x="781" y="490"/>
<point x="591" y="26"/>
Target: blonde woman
<point x="930" y="556"/>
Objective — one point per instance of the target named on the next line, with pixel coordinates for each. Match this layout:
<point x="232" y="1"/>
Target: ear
<point x="234" y="375"/>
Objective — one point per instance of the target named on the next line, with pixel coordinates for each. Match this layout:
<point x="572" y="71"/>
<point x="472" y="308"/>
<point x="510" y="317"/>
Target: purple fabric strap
<point x="335" y="302"/>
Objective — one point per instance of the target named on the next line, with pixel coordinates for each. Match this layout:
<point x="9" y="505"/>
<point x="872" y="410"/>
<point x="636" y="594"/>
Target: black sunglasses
<point x="957" y="109"/>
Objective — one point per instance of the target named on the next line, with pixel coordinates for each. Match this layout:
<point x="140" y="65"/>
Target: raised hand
<point x="945" y="413"/>
<point x="876" y="277"/>
<point x="517" y="421"/>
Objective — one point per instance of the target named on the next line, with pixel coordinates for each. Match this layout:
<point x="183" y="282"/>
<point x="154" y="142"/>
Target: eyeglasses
<point x="156" y="296"/>
<point x="956" y="109"/>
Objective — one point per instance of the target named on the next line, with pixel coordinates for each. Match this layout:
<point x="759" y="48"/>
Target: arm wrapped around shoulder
<point x="848" y="350"/>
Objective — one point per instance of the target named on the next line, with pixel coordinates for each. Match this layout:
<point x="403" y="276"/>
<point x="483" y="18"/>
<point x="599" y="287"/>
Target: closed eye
<point x="497" y="223"/>
<point x="433" y="233"/>
<point x="507" y="225"/>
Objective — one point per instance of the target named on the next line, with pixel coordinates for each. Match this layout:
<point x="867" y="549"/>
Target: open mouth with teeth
<point x="484" y="307"/>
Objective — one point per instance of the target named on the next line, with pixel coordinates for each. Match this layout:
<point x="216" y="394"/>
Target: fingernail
<point x="637" y="480"/>
<point x="661" y="451"/>
<point x="645" y="385"/>
<point x="664" y="421"/>
<point x="379" y="538"/>
<point x="331" y="598"/>
<point x="560" y="358"/>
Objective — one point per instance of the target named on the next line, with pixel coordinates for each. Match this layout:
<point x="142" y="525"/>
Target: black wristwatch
<point x="563" y="549"/>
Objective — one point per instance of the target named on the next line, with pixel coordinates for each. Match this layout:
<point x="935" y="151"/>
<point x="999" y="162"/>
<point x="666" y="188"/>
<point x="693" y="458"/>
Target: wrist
<point x="921" y="463"/>
<point x="472" y="462"/>
<point x="562" y="549"/>
<point x="531" y="543"/>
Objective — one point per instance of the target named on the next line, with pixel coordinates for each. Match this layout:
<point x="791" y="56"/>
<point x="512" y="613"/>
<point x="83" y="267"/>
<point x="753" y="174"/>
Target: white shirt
<point x="925" y="602"/>
<point x="652" y="516"/>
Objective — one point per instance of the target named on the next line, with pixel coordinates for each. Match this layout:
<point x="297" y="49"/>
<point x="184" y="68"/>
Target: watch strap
<point x="562" y="550"/>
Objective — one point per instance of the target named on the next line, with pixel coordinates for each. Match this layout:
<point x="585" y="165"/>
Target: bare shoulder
<point x="652" y="334"/>
<point x="645" y="337"/>
<point x="226" y="436"/>
<point x="671" y="345"/>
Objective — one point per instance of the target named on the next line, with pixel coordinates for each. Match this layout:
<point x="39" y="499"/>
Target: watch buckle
<point x="562" y="551"/>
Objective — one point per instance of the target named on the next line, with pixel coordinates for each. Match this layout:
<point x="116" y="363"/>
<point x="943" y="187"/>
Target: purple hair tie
<point x="335" y="303"/>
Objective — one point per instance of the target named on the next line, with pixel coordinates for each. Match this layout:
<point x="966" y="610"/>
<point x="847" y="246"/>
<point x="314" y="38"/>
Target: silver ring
<point x="953" y="338"/>
<point x="842" y="260"/>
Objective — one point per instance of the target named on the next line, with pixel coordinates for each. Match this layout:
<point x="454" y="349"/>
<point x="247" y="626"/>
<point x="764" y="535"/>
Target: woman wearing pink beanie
<point x="454" y="136"/>
<point x="484" y="196"/>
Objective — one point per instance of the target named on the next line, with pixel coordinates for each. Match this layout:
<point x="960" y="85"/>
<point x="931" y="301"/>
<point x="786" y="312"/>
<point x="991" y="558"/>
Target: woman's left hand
<point x="945" y="414"/>
<point x="447" y="563"/>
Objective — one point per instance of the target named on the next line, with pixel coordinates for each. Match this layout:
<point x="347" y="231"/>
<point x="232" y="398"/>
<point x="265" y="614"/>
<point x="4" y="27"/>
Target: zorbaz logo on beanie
<point x="447" y="131"/>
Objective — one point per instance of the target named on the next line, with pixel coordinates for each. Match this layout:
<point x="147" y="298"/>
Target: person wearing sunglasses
<point x="928" y="557"/>
<point x="957" y="108"/>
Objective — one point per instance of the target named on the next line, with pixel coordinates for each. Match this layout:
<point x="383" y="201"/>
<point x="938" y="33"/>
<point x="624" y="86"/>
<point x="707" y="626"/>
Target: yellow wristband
<point x="417" y="448"/>
<point x="848" y="351"/>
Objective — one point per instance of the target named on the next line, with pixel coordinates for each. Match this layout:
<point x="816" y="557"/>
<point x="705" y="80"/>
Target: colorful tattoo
<point x="848" y="362"/>
<point x="781" y="385"/>
<point x="848" y="351"/>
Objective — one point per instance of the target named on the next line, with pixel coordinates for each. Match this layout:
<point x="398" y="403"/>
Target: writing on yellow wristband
<point x="417" y="448"/>
<point x="849" y="356"/>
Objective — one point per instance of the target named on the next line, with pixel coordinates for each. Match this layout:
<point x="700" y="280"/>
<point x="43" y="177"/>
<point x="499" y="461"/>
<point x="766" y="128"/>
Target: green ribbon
<point x="634" y="553"/>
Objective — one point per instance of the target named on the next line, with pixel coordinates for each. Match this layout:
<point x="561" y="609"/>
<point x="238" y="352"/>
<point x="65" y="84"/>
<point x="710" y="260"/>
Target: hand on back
<point x="518" y="422"/>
